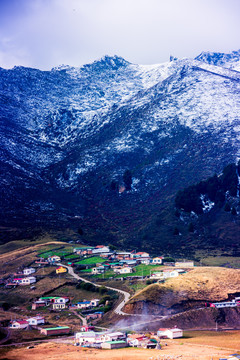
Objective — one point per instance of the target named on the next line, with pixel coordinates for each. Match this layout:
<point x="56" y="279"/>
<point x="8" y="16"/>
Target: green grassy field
<point x="90" y="261"/>
<point x="139" y="270"/>
<point x="72" y="257"/>
<point x="57" y="252"/>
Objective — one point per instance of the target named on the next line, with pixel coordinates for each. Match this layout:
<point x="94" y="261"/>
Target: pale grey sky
<point x="46" y="33"/>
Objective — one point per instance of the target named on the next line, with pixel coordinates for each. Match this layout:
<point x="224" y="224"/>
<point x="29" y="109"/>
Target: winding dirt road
<point x="126" y="295"/>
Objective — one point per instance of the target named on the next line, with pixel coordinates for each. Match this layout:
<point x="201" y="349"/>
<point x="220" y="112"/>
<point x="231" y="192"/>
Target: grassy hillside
<point x="200" y="284"/>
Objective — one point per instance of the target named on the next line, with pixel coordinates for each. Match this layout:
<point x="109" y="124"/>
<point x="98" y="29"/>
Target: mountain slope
<point x="69" y="133"/>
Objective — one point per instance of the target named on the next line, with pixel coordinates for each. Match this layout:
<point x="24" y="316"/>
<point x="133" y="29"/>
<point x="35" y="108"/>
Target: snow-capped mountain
<point x="68" y="133"/>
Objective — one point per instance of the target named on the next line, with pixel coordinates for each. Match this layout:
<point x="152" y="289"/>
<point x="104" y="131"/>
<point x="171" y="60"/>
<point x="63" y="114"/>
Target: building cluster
<point x="24" y="277"/>
<point x="55" y="302"/>
<point x="38" y="322"/>
<point x="233" y="303"/>
<point x="121" y="262"/>
<point x="26" y="323"/>
<point x="166" y="274"/>
<point x="63" y="303"/>
<point x="113" y="340"/>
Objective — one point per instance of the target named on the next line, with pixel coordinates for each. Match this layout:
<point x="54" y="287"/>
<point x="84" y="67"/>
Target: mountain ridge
<point x="68" y="133"/>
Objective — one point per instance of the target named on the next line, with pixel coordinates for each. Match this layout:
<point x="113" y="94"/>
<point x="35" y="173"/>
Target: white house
<point x="29" y="271"/>
<point x="100" y="249"/>
<point x="145" y="261"/>
<point x="142" y="254"/>
<point x="184" y="264"/>
<point x="54" y="258"/>
<point x="98" y="270"/>
<point x="94" y="302"/>
<point x="86" y="337"/>
<point x="60" y="306"/>
<point x="36" y="320"/>
<point x="84" y="304"/>
<point x="125" y="270"/>
<point x="170" y="333"/>
<point x="61" y="300"/>
<point x="157" y="260"/>
<point x="170" y="274"/>
<point x="157" y="275"/>
<point x="28" y="280"/>
<point x="19" y="324"/>
<point x="113" y="336"/>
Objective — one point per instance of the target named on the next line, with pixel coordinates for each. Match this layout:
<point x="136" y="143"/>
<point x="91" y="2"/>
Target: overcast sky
<point x="46" y="33"/>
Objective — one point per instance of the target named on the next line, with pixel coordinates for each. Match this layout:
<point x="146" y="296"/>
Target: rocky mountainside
<point x="69" y="134"/>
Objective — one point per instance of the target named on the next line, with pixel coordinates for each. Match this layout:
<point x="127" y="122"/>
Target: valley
<point x="166" y="303"/>
<point x="120" y="210"/>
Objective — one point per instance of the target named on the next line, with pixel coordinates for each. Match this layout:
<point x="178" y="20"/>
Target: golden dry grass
<point x="202" y="283"/>
<point x="173" y="350"/>
<point x="11" y="261"/>
<point x="221" y="339"/>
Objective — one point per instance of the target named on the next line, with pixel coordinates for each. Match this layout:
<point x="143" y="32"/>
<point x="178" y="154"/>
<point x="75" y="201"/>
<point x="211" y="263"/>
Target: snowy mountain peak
<point x="107" y="63"/>
<point x="62" y="68"/>
<point x="67" y="134"/>
<point x="230" y="60"/>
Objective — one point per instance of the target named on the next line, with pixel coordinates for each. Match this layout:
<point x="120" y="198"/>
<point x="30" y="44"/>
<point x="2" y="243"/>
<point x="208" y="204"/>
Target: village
<point x="91" y="262"/>
<point x="93" y="265"/>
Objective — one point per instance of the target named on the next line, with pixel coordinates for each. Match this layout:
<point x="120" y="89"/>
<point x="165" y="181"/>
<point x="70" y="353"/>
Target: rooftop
<point x="57" y="328"/>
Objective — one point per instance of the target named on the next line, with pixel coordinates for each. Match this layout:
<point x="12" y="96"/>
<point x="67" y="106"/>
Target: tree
<point x="80" y="231"/>
<point x="175" y="231"/>
<point x="227" y="207"/>
<point x="229" y="179"/>
<point x="191" y="227"/>
<point x="127" y="178"/>
<point x="113" y="185"/>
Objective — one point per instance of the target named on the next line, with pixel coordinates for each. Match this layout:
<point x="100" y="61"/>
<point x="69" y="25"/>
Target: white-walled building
<point x="170" y="274"/>
<point x="87" y="337"/>
<point x="100" y="249"/>
<point x="98" y="270"/>
<point x="84" y="304"/>
<point x="94" y="302"/>
<point x="29" y="271"/>
<point x="170" y="333"/>
<point x="113" y="336"/>
<point x="19" y="324"/>
<point x="157" y="260"/>
<point x="184" y="264"/>
<point x="54" y="258"/>
<point x="57" y="306"/>
<point x="123" y="270"/>
<point x="28" y="280"/>
<point x="157" y="275"/>
<point x="142" y="254"/>
<point x="61" y="300"/>
<point x="36" y="320"/>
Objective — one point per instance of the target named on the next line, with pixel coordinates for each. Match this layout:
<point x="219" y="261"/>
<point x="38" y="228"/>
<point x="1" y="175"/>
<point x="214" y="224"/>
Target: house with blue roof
<point x="84" y="304"/>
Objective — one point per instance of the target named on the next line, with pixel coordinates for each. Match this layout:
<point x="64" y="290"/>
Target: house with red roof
<point x="19" y="324"/>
